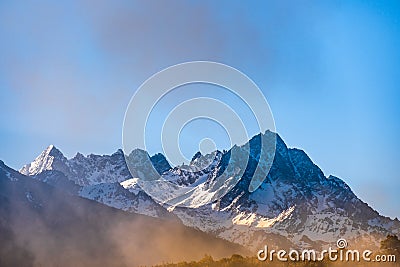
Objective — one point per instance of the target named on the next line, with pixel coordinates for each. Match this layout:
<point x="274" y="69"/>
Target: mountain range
<point x="296" y="205"/>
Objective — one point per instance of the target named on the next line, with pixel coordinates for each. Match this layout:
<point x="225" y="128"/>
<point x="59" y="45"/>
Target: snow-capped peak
<point x="47" y="160"/>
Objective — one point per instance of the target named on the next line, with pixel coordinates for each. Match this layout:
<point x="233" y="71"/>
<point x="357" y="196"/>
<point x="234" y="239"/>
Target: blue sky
<point x="329" y="70"/>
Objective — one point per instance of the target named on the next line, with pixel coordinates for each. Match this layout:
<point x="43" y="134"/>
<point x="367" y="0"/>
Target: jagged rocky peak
<point x="51" y="151"/>
<point x="139" y="161"/>
<point x="160" y="163"/>
<point x="196" y="156"/>
<point x="118" y="152"/>
<point x="205" y="162"/>
<point x="137" y="156"/>
<point x="79" y="156"/>
<point x="47" y="160"/>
